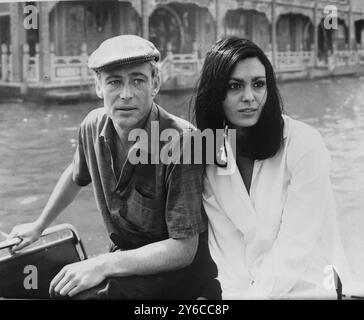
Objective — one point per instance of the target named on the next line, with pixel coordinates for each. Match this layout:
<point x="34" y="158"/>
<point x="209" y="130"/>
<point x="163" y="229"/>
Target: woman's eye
<point x="234" y="85"/>
<point x="259" y="84"/>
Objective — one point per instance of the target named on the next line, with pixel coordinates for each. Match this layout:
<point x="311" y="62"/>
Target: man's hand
<point x="27" y="232"/>
<point x="77" y="277"/>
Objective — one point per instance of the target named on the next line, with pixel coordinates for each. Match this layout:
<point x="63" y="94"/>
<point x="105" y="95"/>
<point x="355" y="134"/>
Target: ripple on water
<point x="34" y="153"/>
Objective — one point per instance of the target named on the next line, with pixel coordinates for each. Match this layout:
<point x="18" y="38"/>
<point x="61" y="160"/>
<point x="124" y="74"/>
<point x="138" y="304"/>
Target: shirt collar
<point x="108" y="131"/>
<point x="144" y="145"/>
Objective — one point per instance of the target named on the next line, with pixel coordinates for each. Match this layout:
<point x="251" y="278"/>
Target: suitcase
<point x="27" y="274"/>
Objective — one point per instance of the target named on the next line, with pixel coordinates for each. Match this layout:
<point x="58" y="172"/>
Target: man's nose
<point x="126" y="92"/>
<point x="248" y="94"/>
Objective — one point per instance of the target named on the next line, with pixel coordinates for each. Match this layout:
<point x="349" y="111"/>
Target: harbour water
<point x="37" y="143"/>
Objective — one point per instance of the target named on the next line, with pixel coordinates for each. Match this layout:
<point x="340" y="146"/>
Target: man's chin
<point x="125" y="121"/>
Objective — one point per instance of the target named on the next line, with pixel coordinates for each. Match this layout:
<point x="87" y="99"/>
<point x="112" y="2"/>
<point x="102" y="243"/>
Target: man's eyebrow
<point x="138" y="74"/>
<point x="112" y="75"/>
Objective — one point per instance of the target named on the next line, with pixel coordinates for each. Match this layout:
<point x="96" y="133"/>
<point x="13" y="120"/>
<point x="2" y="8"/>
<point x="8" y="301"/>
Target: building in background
<point x="52" y="60"/>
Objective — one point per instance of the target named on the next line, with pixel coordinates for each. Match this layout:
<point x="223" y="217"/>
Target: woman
<point x="272" y="228"/>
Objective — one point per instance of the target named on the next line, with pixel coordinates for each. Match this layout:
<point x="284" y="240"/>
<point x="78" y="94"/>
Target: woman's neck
<point x="240" y="132"/>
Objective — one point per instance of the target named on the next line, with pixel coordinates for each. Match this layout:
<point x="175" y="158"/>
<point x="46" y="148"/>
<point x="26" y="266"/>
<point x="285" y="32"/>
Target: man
<point x="152" y="212"/>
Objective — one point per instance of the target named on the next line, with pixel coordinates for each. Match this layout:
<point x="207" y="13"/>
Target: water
<point x="37" y="143"/>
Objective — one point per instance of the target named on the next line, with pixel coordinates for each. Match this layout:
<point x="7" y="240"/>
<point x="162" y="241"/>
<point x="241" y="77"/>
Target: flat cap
<point x="122" y="50"/>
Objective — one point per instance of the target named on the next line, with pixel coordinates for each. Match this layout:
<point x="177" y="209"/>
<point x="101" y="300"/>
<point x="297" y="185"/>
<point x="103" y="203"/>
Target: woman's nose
<point x="248" y="95"/>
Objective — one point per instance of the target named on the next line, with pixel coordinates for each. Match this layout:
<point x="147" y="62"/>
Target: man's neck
<point x="123" y="132"/>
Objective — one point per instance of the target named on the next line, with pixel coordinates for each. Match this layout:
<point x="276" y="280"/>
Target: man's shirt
<point x="148" y="202"/>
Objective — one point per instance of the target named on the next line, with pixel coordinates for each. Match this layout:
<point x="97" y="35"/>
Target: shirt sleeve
<point x="303" y="218"/>
<point x="184" y="183"/>
<point x="81" y="174"/>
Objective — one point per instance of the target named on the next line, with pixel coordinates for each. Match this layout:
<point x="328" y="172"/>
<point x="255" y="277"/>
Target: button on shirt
<point x="280" y="239"/>
<point x="150" y="202"/>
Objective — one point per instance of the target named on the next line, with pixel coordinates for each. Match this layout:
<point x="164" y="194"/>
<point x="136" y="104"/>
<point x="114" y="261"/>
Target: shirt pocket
<point x="146" y="212"/>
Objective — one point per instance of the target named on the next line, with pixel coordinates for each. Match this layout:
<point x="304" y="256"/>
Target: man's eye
<point x="234" y="86"/>
<point x="259" y="84"/>
<point x="138" y="81"/>
<point x="114" y="82"/>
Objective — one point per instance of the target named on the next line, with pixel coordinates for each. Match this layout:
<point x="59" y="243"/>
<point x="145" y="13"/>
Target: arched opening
<point x="165" y="26"/>
<point x="249" y="24"/>
<point x="5" y="29"/>
<point x="32" y="35"/>
<point x="73" y="23"/>
<point x="295" y="30"/>
<point x="359" y="32"/>
<point x="342" y="35"/>
<point x="325" y="41"/>
<point x="206" y="31"/>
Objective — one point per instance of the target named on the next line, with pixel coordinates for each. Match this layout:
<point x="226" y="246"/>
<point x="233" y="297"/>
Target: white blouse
<point x="280" y="240"/>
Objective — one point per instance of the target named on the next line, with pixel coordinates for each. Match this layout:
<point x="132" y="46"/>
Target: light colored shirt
<point x="280" y="239"/>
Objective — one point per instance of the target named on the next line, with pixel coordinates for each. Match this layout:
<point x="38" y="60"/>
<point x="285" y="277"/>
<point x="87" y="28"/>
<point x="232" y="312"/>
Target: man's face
<point x="128" y="93"/>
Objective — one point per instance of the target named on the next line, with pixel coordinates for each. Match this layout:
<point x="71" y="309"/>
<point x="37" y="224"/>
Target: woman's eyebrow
<point x="243" y="80"/>
<point x="259" y="78"/>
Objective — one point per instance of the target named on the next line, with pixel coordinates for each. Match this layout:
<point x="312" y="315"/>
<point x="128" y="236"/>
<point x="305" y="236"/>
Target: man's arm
<point x="63" y="194"/>
<point x="153" y="258"/>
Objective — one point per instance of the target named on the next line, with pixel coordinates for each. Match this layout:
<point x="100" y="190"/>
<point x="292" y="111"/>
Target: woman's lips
<point x="248" y="111"/>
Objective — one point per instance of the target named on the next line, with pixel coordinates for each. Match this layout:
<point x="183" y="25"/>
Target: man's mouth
<point x="125" y="108"/>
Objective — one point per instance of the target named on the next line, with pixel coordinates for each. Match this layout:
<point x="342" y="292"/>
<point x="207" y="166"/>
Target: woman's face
<point x="246" y="93"/>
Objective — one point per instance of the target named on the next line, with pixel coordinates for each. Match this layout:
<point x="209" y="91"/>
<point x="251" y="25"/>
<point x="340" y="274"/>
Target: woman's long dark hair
<point x="264" y="139"/>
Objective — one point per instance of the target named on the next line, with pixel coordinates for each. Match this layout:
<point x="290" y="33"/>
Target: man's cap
<point x="122" y="50"/>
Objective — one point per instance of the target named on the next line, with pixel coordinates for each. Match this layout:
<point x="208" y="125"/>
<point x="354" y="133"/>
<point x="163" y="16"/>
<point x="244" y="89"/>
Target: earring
<point x="222" y="152"/>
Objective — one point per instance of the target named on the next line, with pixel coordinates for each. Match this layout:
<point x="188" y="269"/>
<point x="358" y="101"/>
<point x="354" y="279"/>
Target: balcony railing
<point x="73" y="69"/>
<point x="180" y="64"/>
<point x="70" y="69"/>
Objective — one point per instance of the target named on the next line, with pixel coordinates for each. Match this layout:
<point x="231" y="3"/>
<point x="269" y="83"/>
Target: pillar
<point x="18" y="38"/>
<point x="44" y="42"/>
<point x="351" y="27"/>
<point x="274" y="33"/>
<point x="145" y="18"/>
<point x="219" y="19"/>
<point x="315" y="35"/>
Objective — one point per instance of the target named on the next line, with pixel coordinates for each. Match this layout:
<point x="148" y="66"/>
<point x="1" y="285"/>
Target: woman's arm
<point x="309" y="202"/>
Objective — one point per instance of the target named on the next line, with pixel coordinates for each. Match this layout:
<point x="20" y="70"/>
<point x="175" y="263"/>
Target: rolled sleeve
<point x="81" y="174"/>
<point x="184" y="214"/>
